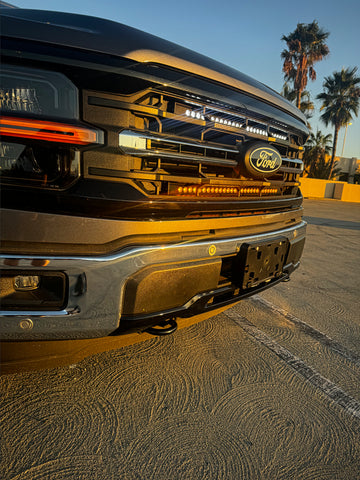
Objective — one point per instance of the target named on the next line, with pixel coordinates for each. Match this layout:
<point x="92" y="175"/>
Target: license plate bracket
<point x="259" y="262"/>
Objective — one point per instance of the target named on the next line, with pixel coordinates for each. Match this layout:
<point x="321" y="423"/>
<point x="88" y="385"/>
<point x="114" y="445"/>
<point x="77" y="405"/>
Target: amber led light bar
<point x="208" y="191"/>
<point x="48" y="131"/>
<point x="230" y="191"/>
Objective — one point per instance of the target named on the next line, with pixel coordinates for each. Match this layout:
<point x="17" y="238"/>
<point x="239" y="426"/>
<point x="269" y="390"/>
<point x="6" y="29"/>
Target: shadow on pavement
<point x="330" y="222"/>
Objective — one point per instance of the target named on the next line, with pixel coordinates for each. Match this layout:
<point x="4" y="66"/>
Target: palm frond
<point x="340" y="101"/>
<point x="305" y="46"/>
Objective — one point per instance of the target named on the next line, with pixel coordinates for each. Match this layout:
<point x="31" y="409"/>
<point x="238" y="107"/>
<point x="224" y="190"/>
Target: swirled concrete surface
<point x="267" y="390"/>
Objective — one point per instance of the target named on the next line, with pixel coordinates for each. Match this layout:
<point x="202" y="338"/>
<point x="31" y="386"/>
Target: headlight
<point x="40" y="128"/>
<point x="29" y="91"/>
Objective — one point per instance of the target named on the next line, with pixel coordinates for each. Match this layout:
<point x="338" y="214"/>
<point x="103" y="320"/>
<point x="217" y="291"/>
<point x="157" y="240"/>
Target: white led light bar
<point x="234" y="123"/>
<point x="216" y="119"/>
<point x="223" y="121"/>
<point x="258" y="131"/>
<point x="194" y="114"/>
<point x="279" y="136"/>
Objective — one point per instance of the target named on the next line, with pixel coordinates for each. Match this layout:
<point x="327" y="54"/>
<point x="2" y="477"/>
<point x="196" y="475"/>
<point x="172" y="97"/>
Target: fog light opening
<point x="33" y="290"/>
<point x="24" y="283"/>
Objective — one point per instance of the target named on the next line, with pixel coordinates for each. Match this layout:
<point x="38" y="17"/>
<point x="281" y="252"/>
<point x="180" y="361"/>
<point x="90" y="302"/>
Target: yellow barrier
<point x="351" y="193"/>
<point x="316" y="188"/>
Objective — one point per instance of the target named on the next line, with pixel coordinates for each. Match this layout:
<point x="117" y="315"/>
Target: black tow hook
<point x="286" y="278"/>
<point x="163" y="328"/>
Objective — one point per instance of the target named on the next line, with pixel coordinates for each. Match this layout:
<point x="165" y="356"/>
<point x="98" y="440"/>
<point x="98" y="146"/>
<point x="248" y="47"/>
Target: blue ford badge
<point x="261" y="159"/>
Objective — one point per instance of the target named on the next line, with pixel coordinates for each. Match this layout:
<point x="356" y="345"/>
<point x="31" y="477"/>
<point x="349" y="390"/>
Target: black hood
<point x="108" y="37"/>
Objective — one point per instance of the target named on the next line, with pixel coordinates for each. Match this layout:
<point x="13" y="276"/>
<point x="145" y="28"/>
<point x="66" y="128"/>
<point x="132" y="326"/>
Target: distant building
<point x="349" y="167"/>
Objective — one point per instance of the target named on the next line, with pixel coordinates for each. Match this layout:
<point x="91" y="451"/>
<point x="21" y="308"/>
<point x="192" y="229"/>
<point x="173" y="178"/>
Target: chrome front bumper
<point x="97" y="309"/>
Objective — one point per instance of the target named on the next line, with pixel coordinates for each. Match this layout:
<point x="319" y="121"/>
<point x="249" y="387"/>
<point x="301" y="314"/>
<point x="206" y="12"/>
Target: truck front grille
<point x="168" y="143"/>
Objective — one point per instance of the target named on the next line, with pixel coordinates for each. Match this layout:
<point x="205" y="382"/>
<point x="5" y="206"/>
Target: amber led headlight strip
<point x="49" y="131"/>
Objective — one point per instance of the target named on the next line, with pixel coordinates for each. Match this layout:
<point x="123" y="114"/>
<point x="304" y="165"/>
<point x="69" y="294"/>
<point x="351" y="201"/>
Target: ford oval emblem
<point x="262" y="159"/>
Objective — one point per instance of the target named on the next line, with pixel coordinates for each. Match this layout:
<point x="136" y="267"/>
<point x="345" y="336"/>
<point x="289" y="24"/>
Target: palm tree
<point x="316" y="149"/>
<point x="322" y="170"/>
<point x="340" y="101"/>
<point x="306" y="105"/>
<point x="306" y="46"/>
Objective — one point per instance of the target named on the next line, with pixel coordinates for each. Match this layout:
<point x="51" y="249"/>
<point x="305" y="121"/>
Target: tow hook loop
<point x="286" y="278"/>
<point x="163" y="328"/>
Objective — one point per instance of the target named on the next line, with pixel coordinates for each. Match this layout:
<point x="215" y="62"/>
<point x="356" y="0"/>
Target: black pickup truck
<point x="141" y="182"/>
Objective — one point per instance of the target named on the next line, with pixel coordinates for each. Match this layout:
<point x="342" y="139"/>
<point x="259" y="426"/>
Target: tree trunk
<point x="337" y="128"/>
<point x="298" y="98"/>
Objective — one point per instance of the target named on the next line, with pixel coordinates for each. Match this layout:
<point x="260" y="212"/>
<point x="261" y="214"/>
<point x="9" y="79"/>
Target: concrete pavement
<point x="268" y="389"/>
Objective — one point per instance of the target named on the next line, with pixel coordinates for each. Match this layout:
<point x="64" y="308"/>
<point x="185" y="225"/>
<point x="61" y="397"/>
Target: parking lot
<point x="268" y="389"/>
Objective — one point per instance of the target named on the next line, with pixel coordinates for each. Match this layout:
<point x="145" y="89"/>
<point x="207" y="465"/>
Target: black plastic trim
<point x="198" y="305"/>
<point x="111" y="200"/>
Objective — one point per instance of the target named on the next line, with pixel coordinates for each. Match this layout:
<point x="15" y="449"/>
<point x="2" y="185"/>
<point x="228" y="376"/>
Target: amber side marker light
<point x="48" y="131"/>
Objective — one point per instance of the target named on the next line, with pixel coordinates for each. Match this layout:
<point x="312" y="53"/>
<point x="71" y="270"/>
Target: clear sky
<point x="243" y="34"/>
